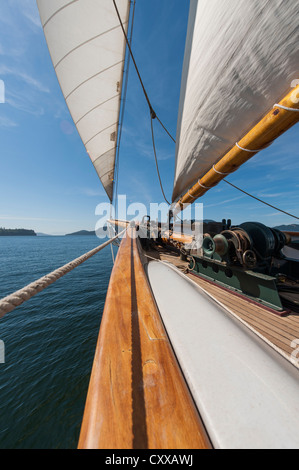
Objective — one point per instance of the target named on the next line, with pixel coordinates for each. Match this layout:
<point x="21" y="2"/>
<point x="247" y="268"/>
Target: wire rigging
<point x="165" y="129"/>
<point x="260" y="200"/>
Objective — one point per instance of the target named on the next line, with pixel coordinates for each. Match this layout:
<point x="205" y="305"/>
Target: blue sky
<point x="47" y="182"/>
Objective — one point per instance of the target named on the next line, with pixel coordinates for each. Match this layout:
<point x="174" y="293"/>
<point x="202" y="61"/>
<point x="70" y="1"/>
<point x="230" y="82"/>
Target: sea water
<point x="48" y="343"/>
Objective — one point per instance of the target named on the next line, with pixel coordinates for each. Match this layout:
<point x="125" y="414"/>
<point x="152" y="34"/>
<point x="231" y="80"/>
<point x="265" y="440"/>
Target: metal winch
<point x="251" y="245"/>
<point x="240" y="258"/>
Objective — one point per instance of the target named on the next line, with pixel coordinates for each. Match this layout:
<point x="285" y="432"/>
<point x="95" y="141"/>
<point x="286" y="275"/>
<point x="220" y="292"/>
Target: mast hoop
<point x="296" y="110"/>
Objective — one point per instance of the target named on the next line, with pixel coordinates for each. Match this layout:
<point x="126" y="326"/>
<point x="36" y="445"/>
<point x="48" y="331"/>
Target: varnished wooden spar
<point x="176" y="237"/>
<point x="137" y="396"/>
<point x="119" y="223"/>
<point x="167" y="236"/>
<point x="274" y="124"/>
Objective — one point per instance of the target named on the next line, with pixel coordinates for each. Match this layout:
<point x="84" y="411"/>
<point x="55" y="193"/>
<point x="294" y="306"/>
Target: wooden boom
<point x="137" y="396"/>
<point x="275" y="123"/>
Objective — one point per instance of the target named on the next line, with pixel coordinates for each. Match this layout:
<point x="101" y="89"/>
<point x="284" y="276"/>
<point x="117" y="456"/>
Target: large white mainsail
<point x="87" y="48"/>
<point x="241" y="58"/>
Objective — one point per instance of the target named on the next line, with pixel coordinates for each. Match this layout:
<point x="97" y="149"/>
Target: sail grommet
<point x="296" y="110"/>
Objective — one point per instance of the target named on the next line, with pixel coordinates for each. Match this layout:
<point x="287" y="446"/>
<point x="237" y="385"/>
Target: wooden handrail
<point x="137" y="396"/>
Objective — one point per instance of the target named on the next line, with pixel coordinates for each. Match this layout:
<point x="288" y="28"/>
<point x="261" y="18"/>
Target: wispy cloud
<point x="272" y="214"/>
<point x="30" y="12"/>
<point x="6" y="122"/>
<point x="24" y="103"/>
<point x="271" y="195"/>
<point x="25" y="77"/>
<point x="26" y="9"/>
<point x="223" y="202"/>
<point x="92" y="192"/>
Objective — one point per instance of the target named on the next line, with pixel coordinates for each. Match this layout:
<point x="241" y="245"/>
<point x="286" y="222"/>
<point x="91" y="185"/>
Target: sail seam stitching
<point x="93" y="76"/>
<point x="61" y="9"/>
<point x="98" y="133"/>
<point x="90" y="111"/>
<point x="58" y="11"/>
<point x="84" y="44"/>
<point x="102" y="155"/>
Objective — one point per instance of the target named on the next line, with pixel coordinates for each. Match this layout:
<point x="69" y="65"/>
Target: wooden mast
<point x="275" y="123"/>
<point x="137" y="396"/>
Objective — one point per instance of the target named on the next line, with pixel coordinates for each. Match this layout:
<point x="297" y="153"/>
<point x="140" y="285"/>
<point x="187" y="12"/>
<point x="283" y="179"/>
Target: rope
<point x="219" y="172"/>
<point x="9" y="303"/>
<point x="251" y="151"/>
<point x="295" y="110"/>
<point x="204" y="187"/>
<point x="260" y="200"/>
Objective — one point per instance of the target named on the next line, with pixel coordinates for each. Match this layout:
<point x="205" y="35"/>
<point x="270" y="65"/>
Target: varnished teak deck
<point x="137" y="396"/>
<point x="277" y="331"/>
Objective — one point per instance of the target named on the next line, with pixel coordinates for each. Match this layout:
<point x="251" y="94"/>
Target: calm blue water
<point x="50" y="340"/>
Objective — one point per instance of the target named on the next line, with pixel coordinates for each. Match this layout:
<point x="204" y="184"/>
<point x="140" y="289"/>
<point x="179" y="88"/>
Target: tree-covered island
<point x="16" y="232"/>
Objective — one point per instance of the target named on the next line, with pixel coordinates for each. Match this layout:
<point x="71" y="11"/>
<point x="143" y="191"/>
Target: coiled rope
<point x="9" y="303"/>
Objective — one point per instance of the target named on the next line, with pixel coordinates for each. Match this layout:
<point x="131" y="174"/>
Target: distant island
<point x="288" y="228"/>
<point x="81" y="232"/>
<point x="16" y="232"/>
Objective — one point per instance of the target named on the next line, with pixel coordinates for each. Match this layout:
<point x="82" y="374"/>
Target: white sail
<point x="87" y="48"/>
<point x="241" y="58"/>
